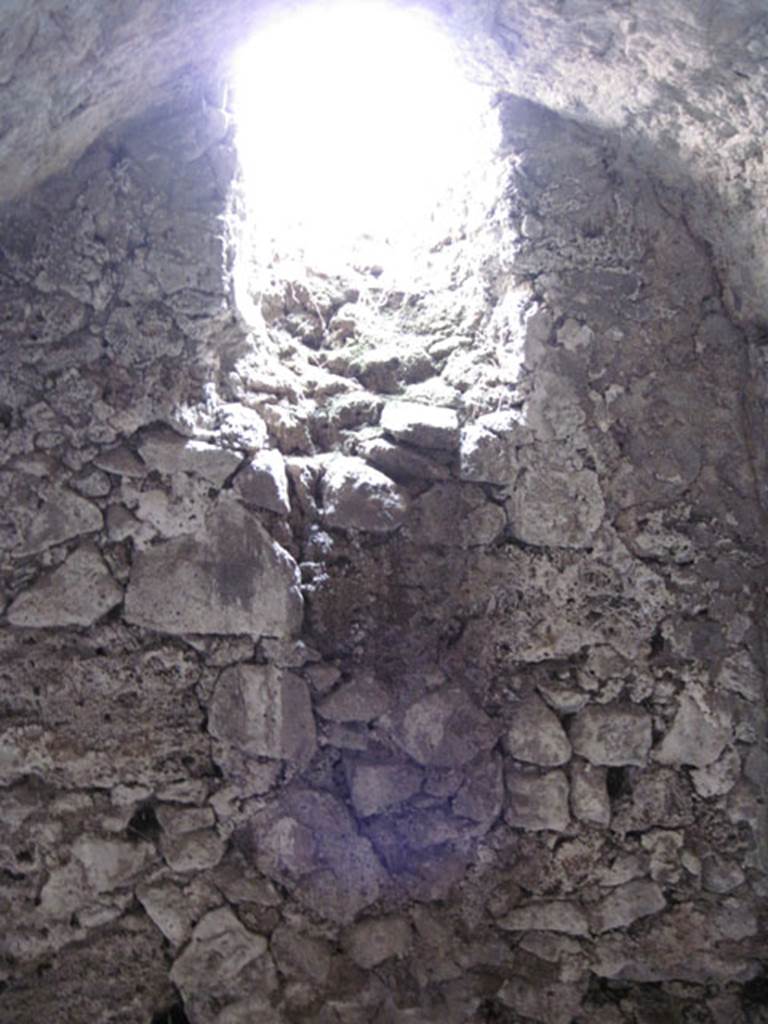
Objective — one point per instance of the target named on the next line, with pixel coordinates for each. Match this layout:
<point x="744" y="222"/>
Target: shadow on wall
<point x="509" y="746"/>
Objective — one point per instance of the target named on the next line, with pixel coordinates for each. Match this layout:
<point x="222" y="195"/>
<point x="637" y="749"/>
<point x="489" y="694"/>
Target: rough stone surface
<point x="612" y="735"/>
<point x="537" y="802"/>
<point x="628" y="903"/>
<point x="264" y="712"/>
<point x="536" y="735"/>
<point x="264" y="482"/>
<point x="357" y="497"/>
<point x="271" y="801"/>
<point x="371" y="942"/>
<point x="423" y="426"/>
<point x="168" y="452"/>
<point x="234" y="579"/>
<point x="700" y="731"/>
<point x="78" y="593"/>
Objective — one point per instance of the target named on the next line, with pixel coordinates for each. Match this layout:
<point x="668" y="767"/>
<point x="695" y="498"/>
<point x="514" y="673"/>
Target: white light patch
<point x="354" y="121"/>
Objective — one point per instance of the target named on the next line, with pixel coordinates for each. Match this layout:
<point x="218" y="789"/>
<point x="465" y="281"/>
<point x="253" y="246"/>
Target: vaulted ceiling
<point x="683" y="84"/>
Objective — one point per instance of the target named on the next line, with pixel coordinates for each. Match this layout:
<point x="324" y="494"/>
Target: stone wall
<point x="396" y="656"/>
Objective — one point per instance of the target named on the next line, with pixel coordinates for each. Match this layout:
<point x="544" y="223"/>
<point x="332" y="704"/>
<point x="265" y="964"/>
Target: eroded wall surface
<point x="401" y="659"/>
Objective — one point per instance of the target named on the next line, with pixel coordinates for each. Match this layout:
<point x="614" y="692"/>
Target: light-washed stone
<point x="612" y="734"/>
<point x="233" y="580"/>
<point x="589" y="794"/>
<point x="357" y="497"/>
<point x="164" y="450"/>
<point x="264" y="711"/>
<point x="538" y="803"/>
<point x="401" y="463"/>
<point x="369" y="943"/>
<point x="536" y="735"/>
<point x="264" y="482"/>
<point x="489" y="449"/>
<point x="424" y="426"/>
<point x="701" y="730"/>
<point x="242" y="427"/>
<point x="550" y="916"/>
<point x="627" y="903"/>
<point x="77" y="593"/>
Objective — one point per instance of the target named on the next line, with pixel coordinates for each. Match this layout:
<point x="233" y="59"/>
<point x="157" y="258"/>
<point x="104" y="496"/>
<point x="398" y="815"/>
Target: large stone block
<point x="357" y="497"/>
<point x="536" y="735"/>
<point x="612" y="735"/>
<point x="424" y="426"/>
<point x="556" y="508"/>
<point x="538" y="803"/>
<point x="77" y="593"/>
<point x="233" y="579"/>
<point x="263" y="711"/>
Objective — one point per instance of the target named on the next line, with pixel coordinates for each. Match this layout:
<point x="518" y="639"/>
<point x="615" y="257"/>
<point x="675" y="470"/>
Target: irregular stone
<point x="264" y="482"/>
<point x="359" y="700"/>
<point x="109" y="863"/>
<point x="61" y="516"/>
<point x="537" y="802"/>
<point x="300" y="956"/>
<point x="549" y="916"/>
<point x="369" y="943"/>
<point x="242" y="427"/>
<point x="489" y="449"/>
<point x="399" y="463"/>
<point x="720" y="875"/>
<point x="481" y="797"/>
<point x="536" y="735"/>
<point x="423" y="426"/>
<point x="166" y="451"/>
<point x="122" y="462"/>
<point x="627" y="903"/>
<point x="264" y="711"/>
<point x="357" y="497"/>
<point x="377" y="785"/>
<point x="169" y="908"/>
<point x="77" y="593"/>
<point x="612" y="734"/>
<point x="234" y="579"/>
<point x="556" y="508"/>
<point x="664" y="847"/>
<point x="444" y="729"/>
<point x="589" y="794"/>
<point x="701" y="730"/>
<point x="220" y="948"/>
<point x="659" y="798"/>
<point x="718" y="778"/>
<point x="192" y="851"/>
<point x="547" y="1002"/>
<point x="177" y="820"/>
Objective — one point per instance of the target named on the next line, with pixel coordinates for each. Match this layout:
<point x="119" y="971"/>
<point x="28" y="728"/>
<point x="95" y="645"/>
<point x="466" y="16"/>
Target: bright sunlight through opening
<point x="356" y="124"/>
